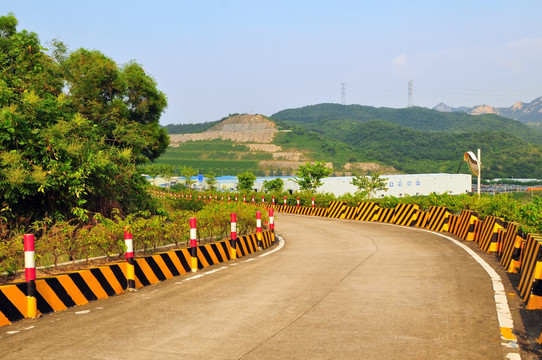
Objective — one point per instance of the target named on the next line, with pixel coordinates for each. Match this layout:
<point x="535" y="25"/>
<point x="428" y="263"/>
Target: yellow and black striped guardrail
<point x="518" y="252"/>
<point x="59" y="292"/>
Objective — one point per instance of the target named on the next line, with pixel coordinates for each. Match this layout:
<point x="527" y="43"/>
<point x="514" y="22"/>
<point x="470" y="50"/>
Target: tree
<point x="275" y="185"/>
<point x="211" y="180"/>
<point x="167" y="171"/>
<point x="309" y="176"/>
<point x="72" y="128"/>
<point x="188" y="172"/>
<point x="368" y="185"/>
<point x="245" y="181"/>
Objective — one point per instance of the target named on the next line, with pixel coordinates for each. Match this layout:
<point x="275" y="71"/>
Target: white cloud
<point x="399" y="63"/>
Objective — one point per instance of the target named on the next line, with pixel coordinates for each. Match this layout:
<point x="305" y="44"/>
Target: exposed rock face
<point x="524" y="112"/>
<point x="238" y="128"/>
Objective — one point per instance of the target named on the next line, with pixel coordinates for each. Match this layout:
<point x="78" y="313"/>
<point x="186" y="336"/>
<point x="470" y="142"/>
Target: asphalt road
<point x="336" y="290"/>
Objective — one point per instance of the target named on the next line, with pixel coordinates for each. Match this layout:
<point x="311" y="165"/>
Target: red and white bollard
<point x="229" y="199"/>
<point x="252" y="199"/>
<point x="130" y="261"/>
<point x="235" y="198"/>
<point x="285" y="201"/>
<point x="263" y="199"/>
<point x="298" y="201"/>
<point x="233" y="243"/>
<point x="312" y="202"/>
<point x="271" y="221"/>
<point x="244" y="198"/>
<point x="193" y="245"/>
<point x="273" y="200"/>
<point x="259" y="229"/>
<point x="30" y="276"/>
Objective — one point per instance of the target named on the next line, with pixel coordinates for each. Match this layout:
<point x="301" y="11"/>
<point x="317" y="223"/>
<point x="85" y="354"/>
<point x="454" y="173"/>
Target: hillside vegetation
<point x="326" y="118"/>
<point x="357" y="139"/>
<point x="410" y="140"/>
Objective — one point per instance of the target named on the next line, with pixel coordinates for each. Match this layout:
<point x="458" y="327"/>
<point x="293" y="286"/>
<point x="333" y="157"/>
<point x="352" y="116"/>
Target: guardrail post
<point x="312" y="202"/>
<point x="130" y="261"/>
<point x="193" y="245"/>
<point x="285" y="201"/>
<point x="30" y="276"/>
<point x="259" y="229"/>
<point x="235" y="197"/>
<point x="253" y="200"/>
<point x="263" y="199"/>
<point x="233" y="242"/>
<point x="271" y="221"/>
<point x="244" y="198"/>
<point x="298" y="201"/>
<point x="273" y="200"/>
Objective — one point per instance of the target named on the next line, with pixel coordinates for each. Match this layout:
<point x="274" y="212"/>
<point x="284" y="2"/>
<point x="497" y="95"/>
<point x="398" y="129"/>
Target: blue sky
<point x="213" y="58"/>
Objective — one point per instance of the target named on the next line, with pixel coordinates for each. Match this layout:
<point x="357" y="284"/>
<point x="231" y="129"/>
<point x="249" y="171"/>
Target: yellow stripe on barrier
<point x="49" y="295"/>
<point x="530" y="267"/>
<point x="72" y="290"/>
<point x="93" y="284"/>
<point x="489" y="235"/>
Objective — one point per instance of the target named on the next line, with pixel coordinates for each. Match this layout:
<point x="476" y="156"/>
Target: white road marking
<point x="12" y="332"/>
<point x="280" y="246"/>
<point x="30" y="327"/>
<point x="82" y="312"/>
<point x="504" y="315"/>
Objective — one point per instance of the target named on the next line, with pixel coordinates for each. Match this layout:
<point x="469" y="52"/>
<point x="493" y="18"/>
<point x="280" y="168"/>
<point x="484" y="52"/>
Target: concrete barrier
<point x="488" y="239"/>
<point x="530" y="285"/>
<point x="59" y="292"/>
<point x="514" y="242"/>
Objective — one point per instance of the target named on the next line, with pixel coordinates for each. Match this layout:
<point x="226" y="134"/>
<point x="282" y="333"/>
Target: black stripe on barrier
<point x="206" y="255"/>
<point x="103" y="281"/>
<point x="155" y="268"/>
<point x="120" y="276"/>
<point x="43" y="305"/>
<point x="9" y="310"/>
<point x="83" y="287"/>
<point x="217" y="253"/>
<point x="183" y="261"/>
<point x="224" y="245"/>
<point x="167" y="260"/>
<point x="59" y="290"/>
<point x="140" y="275"/>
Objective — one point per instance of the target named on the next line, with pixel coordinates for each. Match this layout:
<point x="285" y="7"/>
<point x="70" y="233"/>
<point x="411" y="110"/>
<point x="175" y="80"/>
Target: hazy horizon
<point x="215" y="58"/>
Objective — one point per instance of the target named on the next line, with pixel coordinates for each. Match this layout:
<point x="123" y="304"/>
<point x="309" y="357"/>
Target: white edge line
<point x="280" y="246"/>
<point x="501" y="303"/>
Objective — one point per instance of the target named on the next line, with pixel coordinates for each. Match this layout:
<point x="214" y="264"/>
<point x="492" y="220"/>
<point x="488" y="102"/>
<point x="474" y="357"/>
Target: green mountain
<point x="419" y="140"/>
<point x="330" y="119"/>
<point x="357" y="139"/>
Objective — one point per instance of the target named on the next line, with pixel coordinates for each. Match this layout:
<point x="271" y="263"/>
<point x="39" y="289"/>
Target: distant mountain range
<point x="528" y="113"/>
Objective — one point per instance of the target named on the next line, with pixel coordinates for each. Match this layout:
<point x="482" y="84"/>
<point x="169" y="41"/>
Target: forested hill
<point x="190" y="128"/>
<point x="412" y="151"/>
<point x="329" y="118"/>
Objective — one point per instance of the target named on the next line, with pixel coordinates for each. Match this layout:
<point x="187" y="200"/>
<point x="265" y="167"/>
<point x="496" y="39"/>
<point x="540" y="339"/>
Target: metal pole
<point x="479" y="170"/>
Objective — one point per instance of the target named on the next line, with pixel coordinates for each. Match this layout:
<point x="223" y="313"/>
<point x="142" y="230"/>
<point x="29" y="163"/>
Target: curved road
<point x="336" y="290"/>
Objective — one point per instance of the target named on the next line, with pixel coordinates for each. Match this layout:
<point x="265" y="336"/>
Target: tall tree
<point x="369" y="185"/>
<point x="309" y="176"/>
<point x="245" y="181"/>
<point x="72" y="128"/>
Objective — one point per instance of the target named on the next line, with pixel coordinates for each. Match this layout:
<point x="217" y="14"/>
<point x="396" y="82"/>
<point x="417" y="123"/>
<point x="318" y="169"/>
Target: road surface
<point x="336" y="290"/>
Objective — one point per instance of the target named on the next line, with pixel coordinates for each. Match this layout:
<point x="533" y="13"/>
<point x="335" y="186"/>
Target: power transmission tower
<point x="343" y="94"/>
<point x="410" y="91"/>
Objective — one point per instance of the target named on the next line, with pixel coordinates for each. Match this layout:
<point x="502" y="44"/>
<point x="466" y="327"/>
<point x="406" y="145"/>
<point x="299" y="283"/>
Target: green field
<point x="221" y="157"/>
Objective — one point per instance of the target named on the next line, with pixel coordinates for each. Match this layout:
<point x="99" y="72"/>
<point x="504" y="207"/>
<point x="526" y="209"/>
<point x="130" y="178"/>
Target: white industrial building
<point x="398" y="185"/>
